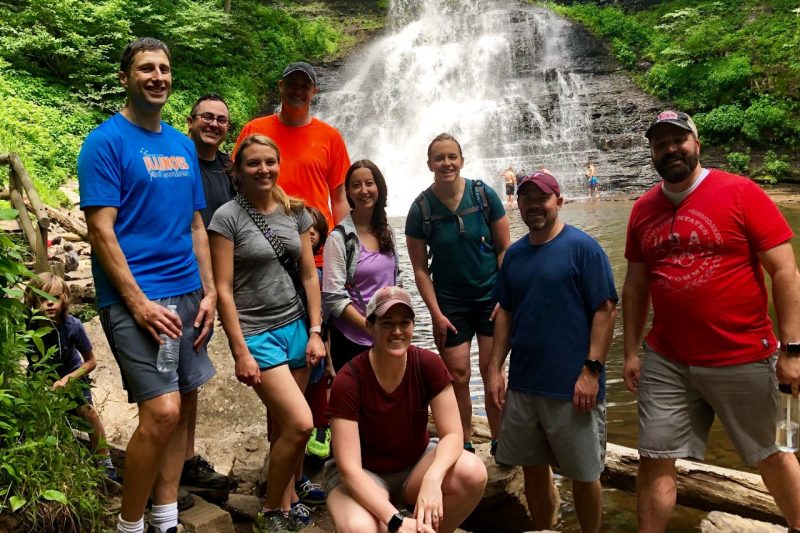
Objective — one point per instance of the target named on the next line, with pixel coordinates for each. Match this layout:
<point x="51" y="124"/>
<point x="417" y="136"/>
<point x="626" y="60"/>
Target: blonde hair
<point x="51" y="284"/>
<point x="278" y="194"/>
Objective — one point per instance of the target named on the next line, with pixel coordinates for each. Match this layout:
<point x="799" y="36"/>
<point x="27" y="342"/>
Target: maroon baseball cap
<point x="385" y="298"/>
<point x="543" y="180"/>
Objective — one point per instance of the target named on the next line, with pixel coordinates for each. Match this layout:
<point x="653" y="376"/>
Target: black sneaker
<point x="185" y="500"/>
<point x="173" y="529"/>
<point x="198" y="472"/>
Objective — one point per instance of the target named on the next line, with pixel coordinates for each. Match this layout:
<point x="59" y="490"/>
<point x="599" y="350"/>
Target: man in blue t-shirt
<point x="557" y="305"/>
<point x="142" y="194"/>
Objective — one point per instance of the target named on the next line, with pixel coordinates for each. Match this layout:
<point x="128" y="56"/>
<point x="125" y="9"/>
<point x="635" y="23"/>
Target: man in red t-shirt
<point x="696" y="244"/>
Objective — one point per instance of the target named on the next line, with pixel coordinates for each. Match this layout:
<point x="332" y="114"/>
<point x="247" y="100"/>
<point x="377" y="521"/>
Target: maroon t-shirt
<point x="392" y="427"/>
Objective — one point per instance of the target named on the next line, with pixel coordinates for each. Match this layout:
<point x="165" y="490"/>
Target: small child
<point x="316" y="394"/>
<point x="73" y="355"/>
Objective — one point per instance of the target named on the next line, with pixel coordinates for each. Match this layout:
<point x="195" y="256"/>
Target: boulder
<point x="719" y="522"/>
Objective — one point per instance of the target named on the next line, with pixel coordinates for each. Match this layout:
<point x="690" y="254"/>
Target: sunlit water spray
<point x="494" y="74"/>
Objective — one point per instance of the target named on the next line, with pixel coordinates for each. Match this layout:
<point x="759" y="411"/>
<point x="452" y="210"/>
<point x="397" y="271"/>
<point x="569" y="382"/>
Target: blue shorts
<point x="280" y="346"/>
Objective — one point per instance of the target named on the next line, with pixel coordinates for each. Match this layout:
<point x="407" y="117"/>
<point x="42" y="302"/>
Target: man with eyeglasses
<point x="142" y="194"/>
<point x="208" y="125"/>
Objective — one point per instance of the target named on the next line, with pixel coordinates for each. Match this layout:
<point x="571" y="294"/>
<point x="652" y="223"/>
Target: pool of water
<point x="605" y="221"/>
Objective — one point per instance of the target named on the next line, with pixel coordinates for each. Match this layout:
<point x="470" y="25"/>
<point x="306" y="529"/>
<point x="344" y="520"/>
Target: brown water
<point x="606" y="221"/>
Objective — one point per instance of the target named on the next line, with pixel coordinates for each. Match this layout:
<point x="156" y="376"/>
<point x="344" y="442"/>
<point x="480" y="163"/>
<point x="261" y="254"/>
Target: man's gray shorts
<point x="543" y="431"/>
<point x="135" y="351"/>
<point x="677" y="404"/>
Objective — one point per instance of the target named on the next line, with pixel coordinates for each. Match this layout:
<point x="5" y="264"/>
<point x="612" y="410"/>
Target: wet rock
<point x="719" y="522"/>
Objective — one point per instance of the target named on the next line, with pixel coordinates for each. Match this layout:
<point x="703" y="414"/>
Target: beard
<point x="538" y="220"/>
<point x="676" y="173"/>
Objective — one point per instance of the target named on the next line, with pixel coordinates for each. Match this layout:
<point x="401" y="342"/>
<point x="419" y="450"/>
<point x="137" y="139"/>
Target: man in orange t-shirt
<point x="314" y="157"/>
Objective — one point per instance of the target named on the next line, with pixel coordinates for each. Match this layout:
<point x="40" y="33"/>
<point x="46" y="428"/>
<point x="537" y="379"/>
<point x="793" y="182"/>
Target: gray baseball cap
<point x="303" y="67"/>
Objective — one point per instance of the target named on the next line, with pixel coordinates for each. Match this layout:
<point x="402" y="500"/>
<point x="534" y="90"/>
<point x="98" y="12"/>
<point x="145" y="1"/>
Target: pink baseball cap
<point x="385" y="298"/>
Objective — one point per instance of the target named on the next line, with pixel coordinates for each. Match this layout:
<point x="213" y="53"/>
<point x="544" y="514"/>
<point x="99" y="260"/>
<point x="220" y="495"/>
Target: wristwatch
<point x="792" y="349"/>
<point x="594" y="366"/>
<point x="394" y="523"/>
<point x="315" y="329"/>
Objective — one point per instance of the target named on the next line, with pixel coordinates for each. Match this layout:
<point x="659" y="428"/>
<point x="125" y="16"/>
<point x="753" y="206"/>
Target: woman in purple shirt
<point x="360" y="257"/>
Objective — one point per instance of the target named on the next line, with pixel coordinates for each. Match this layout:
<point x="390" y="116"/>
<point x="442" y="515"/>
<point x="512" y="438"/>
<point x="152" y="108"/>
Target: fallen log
<point x="63" y="219"/>
<point x="702" y="486"/>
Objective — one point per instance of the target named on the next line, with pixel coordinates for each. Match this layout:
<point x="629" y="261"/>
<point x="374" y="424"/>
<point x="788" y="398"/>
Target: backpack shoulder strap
<point x="479" y="188"/>
<point x="425" y="212"/>
<point x="350" y="253"/>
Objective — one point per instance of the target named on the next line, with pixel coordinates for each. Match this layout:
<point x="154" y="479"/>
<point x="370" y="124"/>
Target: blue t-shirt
<point x="552" y="291"/>
<point x="154" y="181"/>
<point x="70" y="341"/>
<point x="463" y="266"/>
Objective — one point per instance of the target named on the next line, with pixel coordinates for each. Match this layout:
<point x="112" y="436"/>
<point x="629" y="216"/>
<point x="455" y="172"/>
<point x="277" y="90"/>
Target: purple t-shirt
<point x="374" y="270"/>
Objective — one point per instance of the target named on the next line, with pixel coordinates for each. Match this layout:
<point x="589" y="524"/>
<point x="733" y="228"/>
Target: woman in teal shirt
<point x="465" y="225"/>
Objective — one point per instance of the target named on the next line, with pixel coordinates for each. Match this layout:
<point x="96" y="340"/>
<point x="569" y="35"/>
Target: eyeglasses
<point x="208" y="118"/>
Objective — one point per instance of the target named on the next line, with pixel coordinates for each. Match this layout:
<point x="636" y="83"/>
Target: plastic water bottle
<point x="169" y="350"/>
<point x="788" y="423"/>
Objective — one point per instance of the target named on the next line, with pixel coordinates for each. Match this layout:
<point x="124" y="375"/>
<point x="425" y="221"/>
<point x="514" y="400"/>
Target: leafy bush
<point x="774" y="166"/>
<point x="768" y="120"/>
<point x="721" y="124"/>
<point x="738" y="162"/>
<point x="47" y="478"/>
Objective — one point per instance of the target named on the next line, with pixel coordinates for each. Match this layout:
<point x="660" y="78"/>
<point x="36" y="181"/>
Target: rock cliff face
<point x="619" y="115"/>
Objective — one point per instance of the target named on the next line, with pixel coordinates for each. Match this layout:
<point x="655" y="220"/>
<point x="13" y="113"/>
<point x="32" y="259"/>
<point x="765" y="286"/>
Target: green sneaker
<point x="273" y="522"/>
<point x="319" y="443"/>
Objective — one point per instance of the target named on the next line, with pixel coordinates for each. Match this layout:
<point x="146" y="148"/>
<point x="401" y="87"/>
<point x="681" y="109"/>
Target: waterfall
<point x="495" y="74"/>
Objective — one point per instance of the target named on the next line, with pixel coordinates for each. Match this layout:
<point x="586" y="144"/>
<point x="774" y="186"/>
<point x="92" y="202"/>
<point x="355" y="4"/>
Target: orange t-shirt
<point x="314" y="159"/>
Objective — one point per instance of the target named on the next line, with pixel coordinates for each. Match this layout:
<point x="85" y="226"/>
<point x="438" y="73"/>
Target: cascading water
<point x="495" y="74"/>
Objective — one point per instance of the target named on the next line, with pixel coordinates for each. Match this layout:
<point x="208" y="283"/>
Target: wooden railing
<point x="19" y="186"/>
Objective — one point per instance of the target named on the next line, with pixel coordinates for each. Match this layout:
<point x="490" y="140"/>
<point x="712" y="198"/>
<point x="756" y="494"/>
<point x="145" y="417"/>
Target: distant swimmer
<point x="591" y="180"/>
<point x="510" y="180"/>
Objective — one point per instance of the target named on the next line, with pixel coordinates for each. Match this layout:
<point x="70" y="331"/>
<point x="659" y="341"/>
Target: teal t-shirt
<point x="463" y="266"/>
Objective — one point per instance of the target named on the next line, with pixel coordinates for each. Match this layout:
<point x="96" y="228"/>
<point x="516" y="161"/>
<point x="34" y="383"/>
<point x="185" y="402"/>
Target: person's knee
<point x="298" y="430"/>
<point x="777" y="459"/>
<point x="469" y="474"/>
<point x="159" y="419"/>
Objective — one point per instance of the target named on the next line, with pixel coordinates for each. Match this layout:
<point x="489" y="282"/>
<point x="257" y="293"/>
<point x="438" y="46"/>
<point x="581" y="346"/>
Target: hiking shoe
<point x="310" y="493"/>
<point x="174" y="529"/>
<point x="301" y="514"/>
<point x="185" y="500"/>
<point x="272" y="522"/>
<point x="493" y="448"/>
<point x="319" y="444"/>
<point x="198" y="472"/>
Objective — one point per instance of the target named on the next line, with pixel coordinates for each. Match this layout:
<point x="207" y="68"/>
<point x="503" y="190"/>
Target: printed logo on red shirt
<point x="688" y="258"/>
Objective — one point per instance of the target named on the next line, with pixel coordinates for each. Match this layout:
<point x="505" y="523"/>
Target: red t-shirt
<point x="392" y="427"/>
<point x="705" y="280"/>
<point x="314" y="160"/>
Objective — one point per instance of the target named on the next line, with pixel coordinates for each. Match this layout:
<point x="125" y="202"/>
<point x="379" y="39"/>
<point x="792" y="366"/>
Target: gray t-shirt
<point x="262" y="289"/>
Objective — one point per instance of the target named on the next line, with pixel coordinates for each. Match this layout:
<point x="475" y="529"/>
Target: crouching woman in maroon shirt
<point x="383" y="456"/>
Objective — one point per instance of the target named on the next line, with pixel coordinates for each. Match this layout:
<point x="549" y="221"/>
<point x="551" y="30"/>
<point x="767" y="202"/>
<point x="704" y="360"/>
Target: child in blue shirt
<point x="73" y="354"/>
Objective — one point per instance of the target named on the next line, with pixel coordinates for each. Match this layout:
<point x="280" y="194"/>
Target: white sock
<point x="163" y="517"/>
<point x="130" y="527"/>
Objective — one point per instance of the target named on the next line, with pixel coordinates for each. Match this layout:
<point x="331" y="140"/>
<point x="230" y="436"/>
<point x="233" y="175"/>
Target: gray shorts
<point x="677" y="404"/>
<point x="543" y="431"/>
<point x="135" y="351"/>
<point x="394" y="483"/>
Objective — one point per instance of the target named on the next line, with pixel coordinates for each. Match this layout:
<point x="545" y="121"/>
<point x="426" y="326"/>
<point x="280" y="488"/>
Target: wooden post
<point x="34" y="237"/>
<point x="30" y="190"/>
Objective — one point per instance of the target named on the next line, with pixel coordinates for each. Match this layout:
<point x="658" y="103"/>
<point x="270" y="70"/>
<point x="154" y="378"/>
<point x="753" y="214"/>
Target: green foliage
<point x="720" y="125"/>
<point x="732" y="63"/>
<point x="738" y="162"/>
<point x="59" y="63"/>
<point x="773" y="168"/>
<point x="47" y="478"/>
